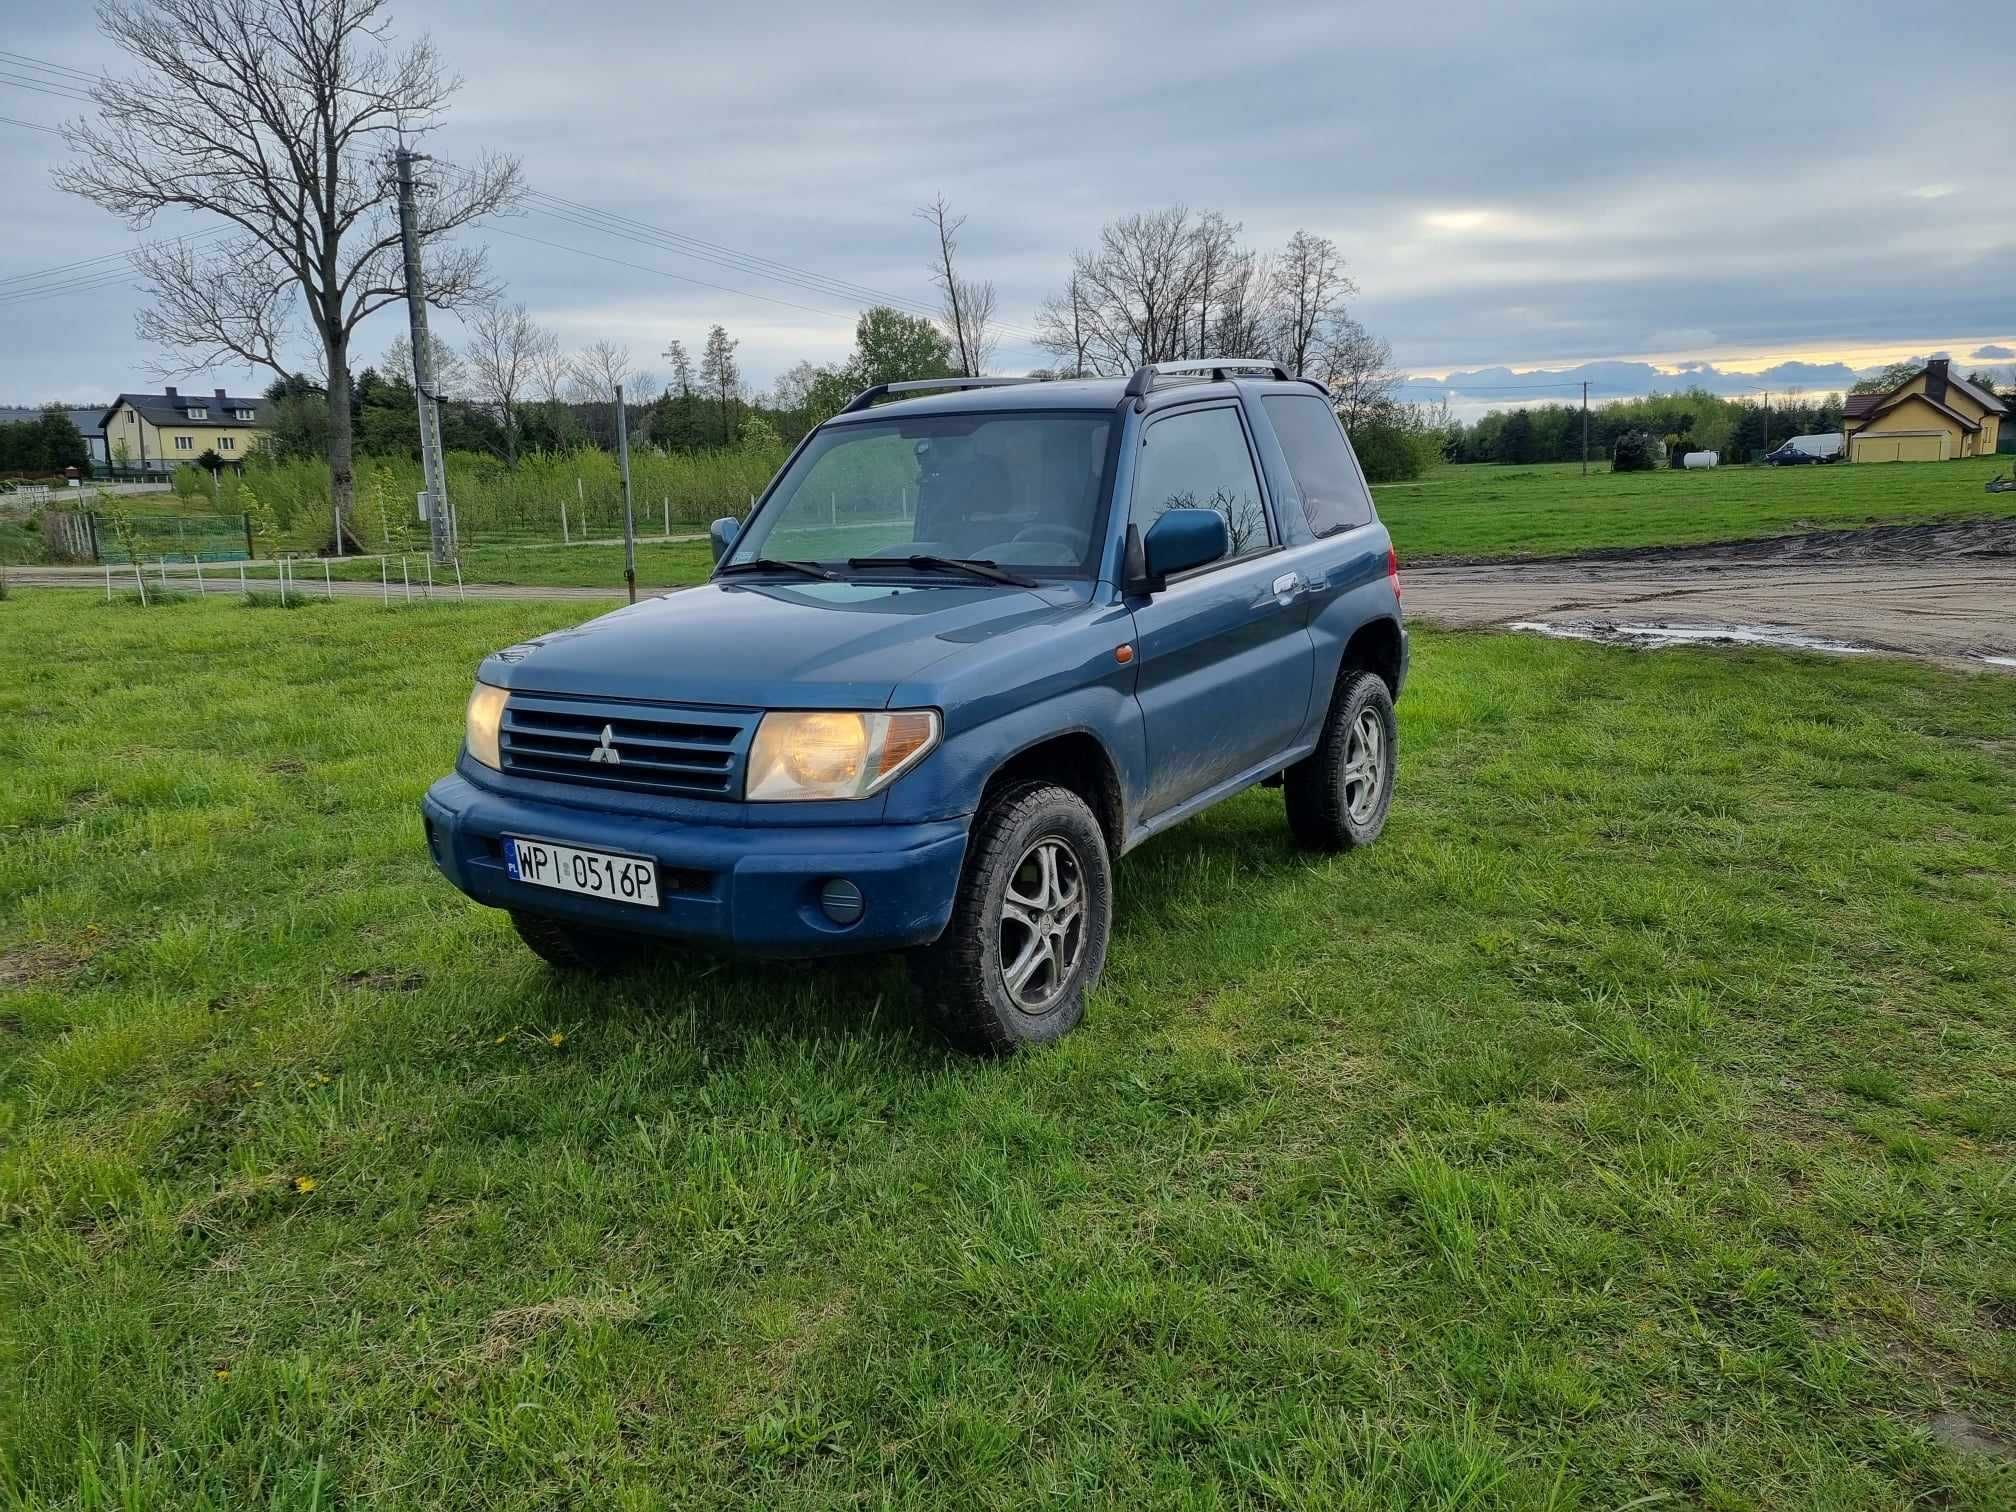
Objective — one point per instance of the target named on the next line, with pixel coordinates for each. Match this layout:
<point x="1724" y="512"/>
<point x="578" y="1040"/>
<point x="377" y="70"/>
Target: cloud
<point x="1991" y="353"/>
<point x="1505" y="203"/>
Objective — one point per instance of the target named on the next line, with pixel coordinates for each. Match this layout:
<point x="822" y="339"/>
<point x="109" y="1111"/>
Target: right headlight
<point x="800" y="755"/>
<point x="485" y="720"/>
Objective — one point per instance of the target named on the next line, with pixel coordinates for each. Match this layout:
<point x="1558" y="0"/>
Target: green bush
<point x="1637" y="451"/>
<point x="1393" y="448"/>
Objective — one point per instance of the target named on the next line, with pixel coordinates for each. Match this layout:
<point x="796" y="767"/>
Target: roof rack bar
<point x="1221" y="365"/>
<point x="876" y="391"/>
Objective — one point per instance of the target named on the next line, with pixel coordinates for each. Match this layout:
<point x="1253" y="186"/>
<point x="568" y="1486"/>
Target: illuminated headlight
<point x="486" y="714"/>
<point x="819" y="754"/>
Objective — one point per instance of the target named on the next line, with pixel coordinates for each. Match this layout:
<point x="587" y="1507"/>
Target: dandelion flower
<point x="556" y="1039"/>
<point x="223" y="1372"/>
<point x="500" y="1039"/>
<point x="304" y="1184"/>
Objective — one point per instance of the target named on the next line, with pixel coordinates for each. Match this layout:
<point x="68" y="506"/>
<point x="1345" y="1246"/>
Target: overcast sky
<point x="1515" y="187"/>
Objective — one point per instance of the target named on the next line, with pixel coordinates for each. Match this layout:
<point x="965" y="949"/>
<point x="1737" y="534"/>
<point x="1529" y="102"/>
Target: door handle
<point x="1286" y="585"/>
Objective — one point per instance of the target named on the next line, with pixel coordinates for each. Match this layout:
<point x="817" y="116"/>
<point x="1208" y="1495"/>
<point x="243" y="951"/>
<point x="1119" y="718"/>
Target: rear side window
<point x="1333" y="492"/>
<point x="1198" y="459"/>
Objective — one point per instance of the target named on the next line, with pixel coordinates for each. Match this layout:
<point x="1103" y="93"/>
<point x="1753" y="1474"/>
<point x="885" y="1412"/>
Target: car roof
<point x="1063" y="394"/>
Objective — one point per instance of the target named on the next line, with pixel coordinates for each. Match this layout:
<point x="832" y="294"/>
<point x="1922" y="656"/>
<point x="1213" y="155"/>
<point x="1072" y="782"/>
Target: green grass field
<point x="1633" y="1126"/>
<point x="1552" y="510"/>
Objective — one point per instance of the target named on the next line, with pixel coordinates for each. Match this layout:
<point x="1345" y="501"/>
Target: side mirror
<point x="721" y="535"/>
<point x="1179" y="540"/>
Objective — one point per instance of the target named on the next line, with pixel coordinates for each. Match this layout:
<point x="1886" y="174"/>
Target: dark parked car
<point x="1806" y="451"/>
<point x="967" y="650"/>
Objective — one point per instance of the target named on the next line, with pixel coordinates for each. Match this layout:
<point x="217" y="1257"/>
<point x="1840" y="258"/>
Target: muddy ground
<point x="1943" y="591"/>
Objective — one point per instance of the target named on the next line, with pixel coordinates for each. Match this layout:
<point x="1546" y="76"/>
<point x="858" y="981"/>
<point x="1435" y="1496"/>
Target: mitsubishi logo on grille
<point x="606" y="751"/>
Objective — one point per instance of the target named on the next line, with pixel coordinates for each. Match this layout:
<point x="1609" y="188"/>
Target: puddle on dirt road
<point x="2000" y="661"/>
<point x="1657" y="635"/>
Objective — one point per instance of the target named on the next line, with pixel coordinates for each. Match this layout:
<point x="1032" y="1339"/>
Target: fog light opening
<point x="841" y="901"/>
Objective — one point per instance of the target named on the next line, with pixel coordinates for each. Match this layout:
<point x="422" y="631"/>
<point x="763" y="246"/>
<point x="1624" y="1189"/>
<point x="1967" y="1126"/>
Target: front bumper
<point x="750" y="890"/>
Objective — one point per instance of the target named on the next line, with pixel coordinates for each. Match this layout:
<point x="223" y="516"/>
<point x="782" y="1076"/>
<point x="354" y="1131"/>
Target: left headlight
<point x="486" y="717"/>
<point x="819" y="753"/>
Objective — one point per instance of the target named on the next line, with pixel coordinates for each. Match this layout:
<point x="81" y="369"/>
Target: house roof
<point x="1859" y="406"/>
<point x="89" y="422"/>
<point x="162" y="409"/>
<point x="1980" y="396"/>
<point x="1896" y="401"/>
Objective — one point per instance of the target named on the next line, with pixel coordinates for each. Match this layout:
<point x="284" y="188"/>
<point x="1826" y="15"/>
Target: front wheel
<point x="1028" y="931"/>
<point x="1339" y="793"/>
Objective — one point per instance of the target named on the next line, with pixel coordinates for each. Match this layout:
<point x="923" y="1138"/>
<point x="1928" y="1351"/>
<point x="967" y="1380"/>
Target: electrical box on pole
<point x="434" y="507"/>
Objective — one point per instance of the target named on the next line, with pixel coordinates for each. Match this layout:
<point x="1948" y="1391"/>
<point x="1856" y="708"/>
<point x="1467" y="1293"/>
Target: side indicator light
<point x="1123" y="654"/>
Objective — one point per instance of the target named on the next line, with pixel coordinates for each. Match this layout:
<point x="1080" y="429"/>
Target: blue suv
<point x="967" y="650"/>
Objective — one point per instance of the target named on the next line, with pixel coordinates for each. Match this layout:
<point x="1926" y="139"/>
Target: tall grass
<point x="495" y="505"/>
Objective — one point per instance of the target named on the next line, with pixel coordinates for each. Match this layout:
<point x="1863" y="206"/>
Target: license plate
<point x="620" y="879"/>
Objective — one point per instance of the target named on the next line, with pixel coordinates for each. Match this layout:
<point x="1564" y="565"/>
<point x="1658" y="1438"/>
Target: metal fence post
<point x="108" y="582"/>
<point x="384" y="583"/>
<point x="200" y="590"/>
<point x="328" y="588"/>
<point x="406" y="577"/>
<point x="461" y="597"/>
<point x="430" y="577"/>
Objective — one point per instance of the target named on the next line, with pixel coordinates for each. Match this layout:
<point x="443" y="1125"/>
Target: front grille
<point x="693" y="753"/>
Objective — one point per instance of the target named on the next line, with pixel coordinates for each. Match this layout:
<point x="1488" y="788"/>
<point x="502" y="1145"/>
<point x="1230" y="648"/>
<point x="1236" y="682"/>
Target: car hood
<point x="772" y="645"/>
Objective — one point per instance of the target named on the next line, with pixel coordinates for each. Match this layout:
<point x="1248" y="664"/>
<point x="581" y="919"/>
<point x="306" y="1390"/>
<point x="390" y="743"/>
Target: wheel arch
<point x="1073" y="759"/>
<point x="1375" y="646"/>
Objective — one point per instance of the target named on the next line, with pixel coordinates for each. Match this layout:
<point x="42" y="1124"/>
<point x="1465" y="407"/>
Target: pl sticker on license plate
<point x="595" y="874"/>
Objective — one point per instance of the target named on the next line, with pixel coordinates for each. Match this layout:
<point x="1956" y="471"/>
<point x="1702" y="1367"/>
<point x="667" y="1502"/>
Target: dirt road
<point x="1947" y="592"/>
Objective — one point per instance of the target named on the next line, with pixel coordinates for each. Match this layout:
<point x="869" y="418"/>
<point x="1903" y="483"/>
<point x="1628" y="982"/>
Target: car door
<point x="1342" y="564"/>
<point x="1225" y="660"/>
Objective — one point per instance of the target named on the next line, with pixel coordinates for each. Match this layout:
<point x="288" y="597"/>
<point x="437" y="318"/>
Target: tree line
<point x="42" y="447"/>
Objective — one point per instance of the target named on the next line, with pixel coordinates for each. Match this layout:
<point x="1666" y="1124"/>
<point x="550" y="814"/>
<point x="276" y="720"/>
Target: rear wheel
<point x="578" y="947"/>
<point x="1338" y="795"/>
<point x="1029" y="928"/>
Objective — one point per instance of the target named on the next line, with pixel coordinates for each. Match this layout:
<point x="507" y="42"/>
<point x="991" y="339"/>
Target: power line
<point x="38" y="86"/>
<point x="45" y="66"/>
<point x="31" y="125"/>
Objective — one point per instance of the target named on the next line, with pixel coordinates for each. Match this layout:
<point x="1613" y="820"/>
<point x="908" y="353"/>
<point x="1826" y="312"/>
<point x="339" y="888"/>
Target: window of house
<point x="1199" y="460"/>
<point x="227" y="443"/>
<point x="185" y="443"/>
<point x="1333" y="494"/>
<point x="243" y="414"/>
<point x="198" y="412"/>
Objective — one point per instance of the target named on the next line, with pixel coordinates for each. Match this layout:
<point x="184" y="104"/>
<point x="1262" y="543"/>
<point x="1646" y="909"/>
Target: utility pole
<point x="1767" y="422"/>
<point x="629" y="518"/>
<point x="439" y="530"/>
<point x="1585" y="427"/>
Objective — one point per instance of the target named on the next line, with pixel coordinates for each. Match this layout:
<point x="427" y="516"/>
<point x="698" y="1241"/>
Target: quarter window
<point x="1199" y="460"/>
<point x="1320" y="460"/>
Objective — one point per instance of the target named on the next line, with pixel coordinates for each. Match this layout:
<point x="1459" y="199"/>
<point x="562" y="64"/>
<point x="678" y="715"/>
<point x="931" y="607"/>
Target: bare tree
<point x="505" y="348"/>
<point x="1062" y="331"/>
<point x="1309" y="292"/>
<point x="966" y="308"/>
<point x="446" y="368"/>
<point x="598" y="368"/>
<point x="1215" y="248"/>
<point x="1357" y="368"/>
<point x="1136" y="288"/>
<point x="275" y="116"/>
<point x="552" y="371"/>
<point x="1244" y="313"/>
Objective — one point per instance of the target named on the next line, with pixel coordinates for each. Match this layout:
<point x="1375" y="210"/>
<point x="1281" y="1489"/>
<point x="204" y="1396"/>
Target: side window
<point x="1333" y="493"/>
<point x="1200" y="460"/>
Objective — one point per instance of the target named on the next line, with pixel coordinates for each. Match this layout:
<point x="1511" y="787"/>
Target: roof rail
<point x="875" y="391"/>
<point x="1214" y="369"/>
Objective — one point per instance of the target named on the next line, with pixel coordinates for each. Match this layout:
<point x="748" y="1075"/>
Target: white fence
<point x="284" y="576"/>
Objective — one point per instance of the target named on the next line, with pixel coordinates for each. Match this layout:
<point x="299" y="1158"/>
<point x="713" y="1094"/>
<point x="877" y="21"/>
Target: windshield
<point x="1020" y="489"/>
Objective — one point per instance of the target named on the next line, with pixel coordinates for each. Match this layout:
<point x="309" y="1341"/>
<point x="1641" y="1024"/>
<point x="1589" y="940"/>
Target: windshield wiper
<point x="976" y="566"/>
<point x="772" y="564"/>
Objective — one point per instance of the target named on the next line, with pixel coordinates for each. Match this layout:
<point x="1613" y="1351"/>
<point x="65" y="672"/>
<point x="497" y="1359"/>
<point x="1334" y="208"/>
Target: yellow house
<point x="152" y="433"/>
<point x="1932" y="417"/>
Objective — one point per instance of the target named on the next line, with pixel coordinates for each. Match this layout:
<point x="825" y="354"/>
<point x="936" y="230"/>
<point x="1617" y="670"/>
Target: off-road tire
<point x="577" y="947"/>
<point x="1320" y="807"/>
<point x="960" y="977"/>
